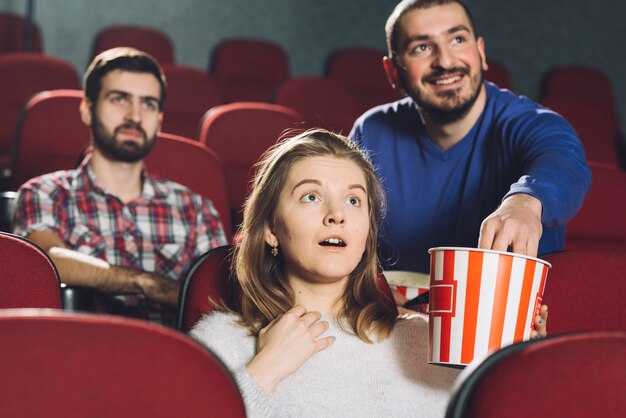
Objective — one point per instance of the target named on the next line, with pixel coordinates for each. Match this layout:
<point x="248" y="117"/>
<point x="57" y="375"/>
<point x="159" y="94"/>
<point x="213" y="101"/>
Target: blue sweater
<point x="439" y="198"/>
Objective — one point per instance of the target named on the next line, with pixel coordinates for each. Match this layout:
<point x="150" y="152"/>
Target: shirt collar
<point x="85" y="181"/>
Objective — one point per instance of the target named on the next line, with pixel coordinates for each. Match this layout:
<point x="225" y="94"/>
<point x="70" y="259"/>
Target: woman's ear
<point x="270" y="238"/>
<point x="85" y="111"/>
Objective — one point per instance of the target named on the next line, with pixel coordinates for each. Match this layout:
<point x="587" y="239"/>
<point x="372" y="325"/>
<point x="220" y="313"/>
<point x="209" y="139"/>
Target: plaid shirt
<point x="161" y="231"/>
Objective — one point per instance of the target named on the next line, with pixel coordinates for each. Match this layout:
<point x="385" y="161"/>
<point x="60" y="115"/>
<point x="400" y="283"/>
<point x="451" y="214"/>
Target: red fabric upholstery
<point x="596" y="129"/>
<point x="249" y="69"/>
<point x="323" y="102"/>
<point x="239" y="133"/>
<point x="581" y="83"/>
<point x="585" y="290"/>
<point x="190" y="93"/>
<point x="50" y="135"/>
<point x="152" y="41"/>
<point x="22" y="75"/>
<point x="60" y="364"/>
<point x="28" y="279"/>
<point x="576" y="375"/>
<point x="361" y="70"/>
<point x="192" y="164"/>
<point x="12" y="29"/>
<point x="499" y="74"/>
<point x="601" y="217"/>
<point x="207" y="278"/>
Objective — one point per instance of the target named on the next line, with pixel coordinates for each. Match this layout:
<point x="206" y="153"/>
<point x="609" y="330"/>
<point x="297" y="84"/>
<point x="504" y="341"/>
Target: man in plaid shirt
<point x="109" y="224"/>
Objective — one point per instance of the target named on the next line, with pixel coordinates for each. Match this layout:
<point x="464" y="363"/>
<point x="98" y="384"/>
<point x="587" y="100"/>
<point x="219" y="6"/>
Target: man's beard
<point x="125" y="151"/>
<point x="454" y="107"/>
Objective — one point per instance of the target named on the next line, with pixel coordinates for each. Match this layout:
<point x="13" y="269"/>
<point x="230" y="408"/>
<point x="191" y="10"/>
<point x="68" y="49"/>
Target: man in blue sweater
<point x="463" y="162"/>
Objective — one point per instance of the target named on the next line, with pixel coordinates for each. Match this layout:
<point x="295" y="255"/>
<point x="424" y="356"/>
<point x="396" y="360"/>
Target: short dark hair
<point x="391" y="28"/>
<point x="121" y="58"/>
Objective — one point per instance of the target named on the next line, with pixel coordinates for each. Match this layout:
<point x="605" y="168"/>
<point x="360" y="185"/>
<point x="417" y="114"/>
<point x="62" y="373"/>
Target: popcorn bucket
<point x="407" y="283"/>
<point x="481" y="301"/>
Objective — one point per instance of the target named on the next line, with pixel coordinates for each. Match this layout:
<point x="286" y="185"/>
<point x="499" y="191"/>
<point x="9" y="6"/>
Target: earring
<point x="275" y="250"/>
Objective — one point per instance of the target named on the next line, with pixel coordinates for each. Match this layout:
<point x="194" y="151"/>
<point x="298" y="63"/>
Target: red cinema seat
<point x="58" y="364"/>
<point x="239" y="133"/>
<point x="573" y="375"/>
<point x="248" y="69"/>
<point x="190" y="93"/>
<point x="361" y="70"/>
<point x="153" y="41"/>
<point x="50" y="135"/>
<point x="28" y="278"/>
<point x="323" y="102"/>
<point x="499" y="75"/>
<point x="13" y="37"/>
<point x="21" y="76"/>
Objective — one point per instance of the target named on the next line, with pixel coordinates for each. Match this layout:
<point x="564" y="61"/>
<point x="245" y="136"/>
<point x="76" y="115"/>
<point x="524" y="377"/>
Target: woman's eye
<point x="354" y="201"/>
<point x="309" y="197"/>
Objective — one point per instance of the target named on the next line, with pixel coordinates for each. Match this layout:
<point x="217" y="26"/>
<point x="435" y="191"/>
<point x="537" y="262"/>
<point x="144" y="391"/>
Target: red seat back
<point x="575" y="375"/>
<point x="584" y="290"/>
<point x="60" y="364"/>
<point x="28" y="278"/>
<point x="249" y="69"/>
<point x="208" y="277"/>
<point x="153" y="41"/>
<point x="50" y="135"/>
<point x="192" y="164"/>
<point x="601" y="217"/>
<point x="21" y="76"/>
<point x="596" y="129"/>
<point x="499" y="74"/>
<point x="190" y="93"/>
<point x="361" y="70"/>
<point x="239" y="133"/>
<point x="322" y="102"/>
<point x="12" y="34"/>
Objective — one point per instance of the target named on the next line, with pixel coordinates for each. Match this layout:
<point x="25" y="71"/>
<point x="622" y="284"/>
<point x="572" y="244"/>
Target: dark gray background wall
<point x="528" y="36"/>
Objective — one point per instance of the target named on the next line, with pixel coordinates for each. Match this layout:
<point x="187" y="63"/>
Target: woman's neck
<point x="324" y="298"/>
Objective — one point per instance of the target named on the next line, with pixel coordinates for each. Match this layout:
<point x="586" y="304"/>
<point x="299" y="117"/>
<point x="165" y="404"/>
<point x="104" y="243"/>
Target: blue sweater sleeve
<point x="553" y="162"/>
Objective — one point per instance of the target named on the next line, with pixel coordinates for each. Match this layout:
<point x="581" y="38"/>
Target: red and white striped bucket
<point x="480" y="301"/>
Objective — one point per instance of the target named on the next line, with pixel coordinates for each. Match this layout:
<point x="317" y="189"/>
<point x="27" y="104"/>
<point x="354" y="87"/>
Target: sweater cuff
<point x="257" y="402"/>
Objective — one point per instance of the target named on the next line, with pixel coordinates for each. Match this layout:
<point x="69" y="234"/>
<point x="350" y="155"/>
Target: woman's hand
<point x="541" y="323"/>
<point x="285" y="344"/>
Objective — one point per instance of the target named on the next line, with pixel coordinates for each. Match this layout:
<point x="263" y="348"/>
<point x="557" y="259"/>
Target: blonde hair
<point x="264" y="292"/>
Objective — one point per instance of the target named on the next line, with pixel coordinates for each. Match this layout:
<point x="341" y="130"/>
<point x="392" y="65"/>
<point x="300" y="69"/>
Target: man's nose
<point x="134" y="112"/>
<point x="443" y="57"/>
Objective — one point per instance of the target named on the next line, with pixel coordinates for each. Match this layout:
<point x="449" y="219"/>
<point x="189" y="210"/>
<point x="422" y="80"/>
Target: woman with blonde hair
<point x="310" y="335"/>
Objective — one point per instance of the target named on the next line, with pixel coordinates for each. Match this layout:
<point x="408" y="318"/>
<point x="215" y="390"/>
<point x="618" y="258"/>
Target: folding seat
<point x="248" y="69"/>
<point x="597" y="131"/>
<point x="583" y="84"/>
<point x="59" y="364"/>
<point x="499" y="74"/>
<point x="584" y="290"/>
<point x="153" y="41"/>
<point x="13" y="36"/>
<point x="601" y="223"/>
<point x="50" y="135"/>
<point x="22" y="75"/>
<point x="28" y="278"/>
<point x="239" y="133"/>
<point x="323" y="102"/>
<point x="194" y="165"/>
<point x="190" y="93"/>
<point x="208" y="277"/>
<point x="361" y="70"/>
<point x="572" y="375"/>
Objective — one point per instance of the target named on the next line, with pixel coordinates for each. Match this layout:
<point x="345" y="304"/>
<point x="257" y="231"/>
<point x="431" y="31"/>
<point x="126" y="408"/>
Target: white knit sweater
<point x="348" y="379"/>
